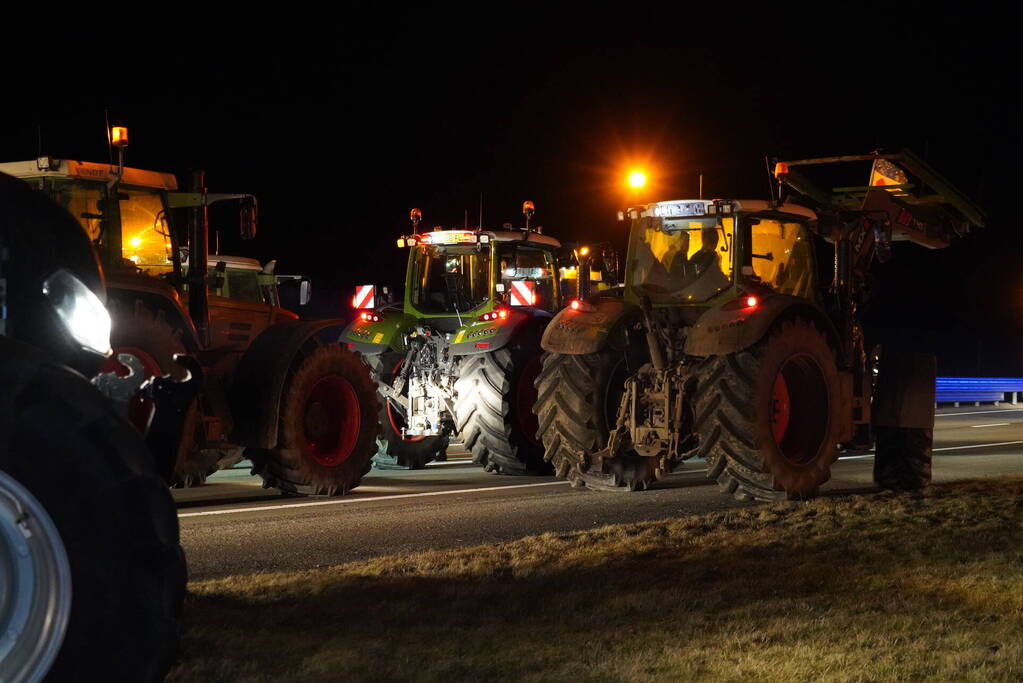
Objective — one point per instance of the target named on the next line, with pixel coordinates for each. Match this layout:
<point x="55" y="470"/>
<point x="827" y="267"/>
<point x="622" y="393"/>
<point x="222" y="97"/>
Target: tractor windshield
<point x="145" y="240"/>
<point x="685" y="260"/>
<point x="450" y="279"/>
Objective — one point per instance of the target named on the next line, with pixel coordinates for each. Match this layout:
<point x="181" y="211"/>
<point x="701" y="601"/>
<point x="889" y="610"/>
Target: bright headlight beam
<point x="83" y="314"/>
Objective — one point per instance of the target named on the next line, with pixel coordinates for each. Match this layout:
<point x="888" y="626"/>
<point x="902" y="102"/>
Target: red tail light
<point x="496" y="314"/>
<point x="580" y="305"/>
<point x="746" y="302"/>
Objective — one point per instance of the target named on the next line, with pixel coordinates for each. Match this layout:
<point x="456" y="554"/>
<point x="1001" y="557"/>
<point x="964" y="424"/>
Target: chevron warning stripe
<point x="523" y="293"/>
<point x="365" y="296"/>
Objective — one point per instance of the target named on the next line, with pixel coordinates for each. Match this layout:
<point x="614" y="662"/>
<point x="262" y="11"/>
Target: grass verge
<point x="879" y="587"/>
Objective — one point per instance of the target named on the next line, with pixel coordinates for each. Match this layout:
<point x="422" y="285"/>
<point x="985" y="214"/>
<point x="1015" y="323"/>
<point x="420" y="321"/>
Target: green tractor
<point x="460" y="356"/>
<point x="729" y="345"/>
<point x="276" y="390"/>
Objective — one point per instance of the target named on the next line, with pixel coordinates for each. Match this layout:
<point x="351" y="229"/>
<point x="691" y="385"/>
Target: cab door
<point x="238" y="313"/>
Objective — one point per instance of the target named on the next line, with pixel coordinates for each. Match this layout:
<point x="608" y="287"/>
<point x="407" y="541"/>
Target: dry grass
<point x="880" y="587"/>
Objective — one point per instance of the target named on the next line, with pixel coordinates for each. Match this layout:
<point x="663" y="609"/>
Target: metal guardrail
<point x="979" y="389"/>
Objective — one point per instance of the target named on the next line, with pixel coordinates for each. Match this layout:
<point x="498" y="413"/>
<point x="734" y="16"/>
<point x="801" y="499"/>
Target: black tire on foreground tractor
<point x="394" y="452"/>
<point x="494" y="408"/>
<point x="153" y="341"/>
<point x="577" y="406"/>
<point x="328" y="425"/>
<point x="112" y="514"/>
<point x="768" y="417"/>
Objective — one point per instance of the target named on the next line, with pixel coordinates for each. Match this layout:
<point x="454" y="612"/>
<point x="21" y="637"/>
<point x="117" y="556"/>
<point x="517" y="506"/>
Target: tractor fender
<point x="369" y="337"/>
<point x="264" y="369"/>
<point x="578" y="332"/>
<point x="486" y="336"/>
<point x="720" y="330"/>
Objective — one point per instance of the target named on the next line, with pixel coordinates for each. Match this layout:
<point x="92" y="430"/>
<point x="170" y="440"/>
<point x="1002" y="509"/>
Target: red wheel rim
<point x="140" y="410"/>
<point x="800" y="409"/>
<point x="396" y="420"/>
<point x="332" y="418"/>
<point x="525" y="399"/>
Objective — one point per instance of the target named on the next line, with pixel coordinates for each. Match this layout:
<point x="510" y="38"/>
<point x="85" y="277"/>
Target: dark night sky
<point x="340" y="132"/>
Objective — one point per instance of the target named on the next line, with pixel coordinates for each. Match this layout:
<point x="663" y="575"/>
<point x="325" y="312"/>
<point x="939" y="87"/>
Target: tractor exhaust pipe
<point x="198" y="248"/>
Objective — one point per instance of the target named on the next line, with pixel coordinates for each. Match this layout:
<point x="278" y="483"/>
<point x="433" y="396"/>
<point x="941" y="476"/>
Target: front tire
<point x="494" y="408"/>
<point x="328" y="425"/>
<point x="92" y="473"/>
<point x="769" y="417"/>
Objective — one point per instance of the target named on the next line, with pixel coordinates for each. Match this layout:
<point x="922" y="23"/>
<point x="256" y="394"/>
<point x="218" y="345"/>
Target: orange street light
<point x="637" y="180"/>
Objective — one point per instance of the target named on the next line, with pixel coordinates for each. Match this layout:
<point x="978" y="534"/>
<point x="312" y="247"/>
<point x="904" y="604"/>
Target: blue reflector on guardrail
<point x="983" y="389"/>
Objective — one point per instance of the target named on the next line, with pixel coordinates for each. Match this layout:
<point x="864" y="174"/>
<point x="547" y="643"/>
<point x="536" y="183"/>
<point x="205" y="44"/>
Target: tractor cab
<point x="454" y="274"/>
<point x="123" y="211"/>
<point x="699" y="252"/>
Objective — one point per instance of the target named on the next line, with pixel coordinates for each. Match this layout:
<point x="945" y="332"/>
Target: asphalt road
<point x="233" y="526"/>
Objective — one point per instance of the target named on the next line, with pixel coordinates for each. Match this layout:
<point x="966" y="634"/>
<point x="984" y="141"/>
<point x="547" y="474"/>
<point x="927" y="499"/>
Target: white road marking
<point x="348" y="501"/>
<point x="345" y="501"/>
<point x="993" y="424"/>
<point x="980" y="412"/>
<point x="979" y="445"/>
<point x="936" y="450"/>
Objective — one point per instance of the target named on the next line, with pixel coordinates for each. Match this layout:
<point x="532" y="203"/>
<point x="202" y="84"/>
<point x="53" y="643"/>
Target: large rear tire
<point x="92" y="473"/>
<point x="495" y="394"/>
<point x="394" y="452"/>
<point x="768" y="417"/>
<point x="148" y="336"/>
<point x="577" y="405"/>
<point x="328" y="425"/>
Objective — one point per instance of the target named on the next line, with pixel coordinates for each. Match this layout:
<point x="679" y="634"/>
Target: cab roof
<point x="523" y="236"/>
<point x="235" y="262"/>
<point x="683" y="208"/>
<point x="456" y="234"/>
<point x="49" y="167"/>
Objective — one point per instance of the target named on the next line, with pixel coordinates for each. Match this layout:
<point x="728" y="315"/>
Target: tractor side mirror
<point x="249" y="215"/>
<point x="305" y="292"/>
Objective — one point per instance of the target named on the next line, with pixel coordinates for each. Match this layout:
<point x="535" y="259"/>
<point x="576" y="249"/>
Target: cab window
<point x="782" y="256"/>
<point x="686" y="260"/>
<point x="533" y="269"/>
<point x="145" y="239"/>
<point x="244" y="285"/>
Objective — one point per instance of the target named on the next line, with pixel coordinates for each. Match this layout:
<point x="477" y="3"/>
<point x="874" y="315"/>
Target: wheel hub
<point x="332" y="418"/>
<point x="799" y="409"/>
<point x="35" y="583"/>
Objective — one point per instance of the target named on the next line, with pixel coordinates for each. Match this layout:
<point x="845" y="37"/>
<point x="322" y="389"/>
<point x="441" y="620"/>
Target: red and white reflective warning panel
<point x="365" y="296"/>
<point x="523" y="293"/>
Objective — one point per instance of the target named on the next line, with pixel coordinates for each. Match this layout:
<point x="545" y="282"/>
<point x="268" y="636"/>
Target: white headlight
<point x="81" y="311"/>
